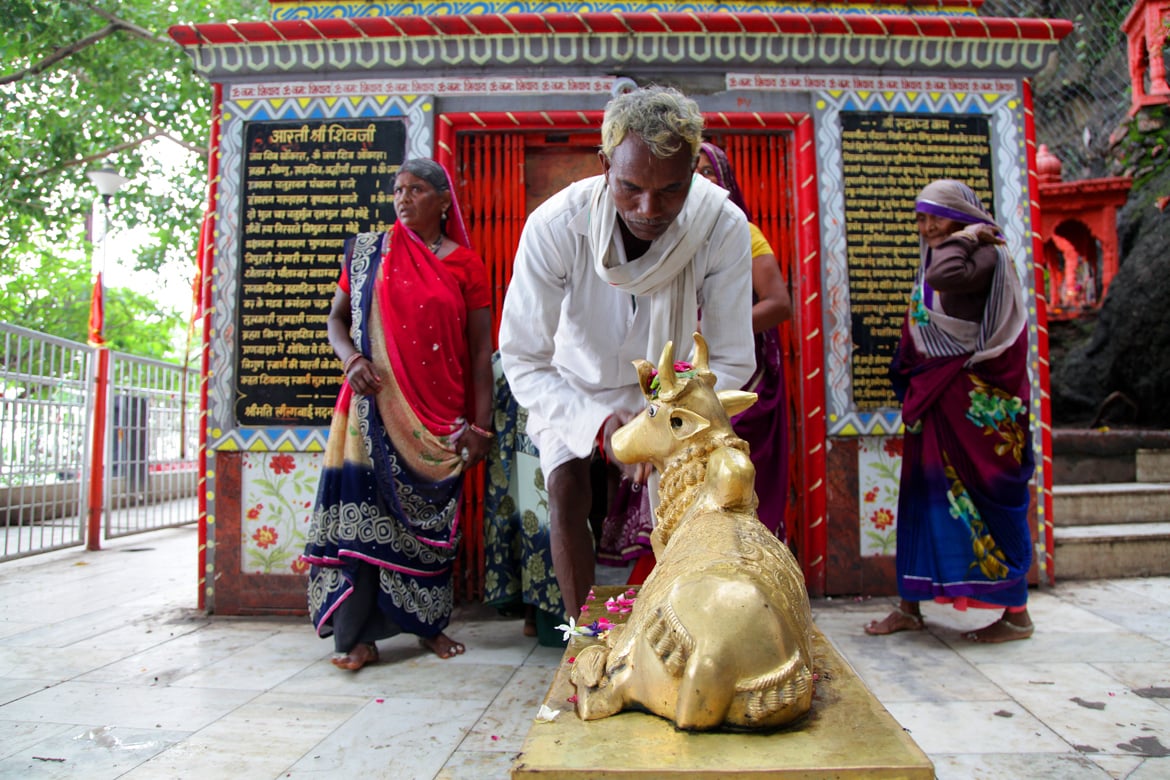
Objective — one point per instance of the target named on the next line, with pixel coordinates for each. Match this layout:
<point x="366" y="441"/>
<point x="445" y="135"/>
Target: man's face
<point x="648" y="192"/>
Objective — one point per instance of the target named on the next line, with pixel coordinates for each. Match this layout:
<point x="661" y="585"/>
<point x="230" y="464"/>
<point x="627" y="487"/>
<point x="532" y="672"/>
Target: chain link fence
<point x="1082" y="95"/>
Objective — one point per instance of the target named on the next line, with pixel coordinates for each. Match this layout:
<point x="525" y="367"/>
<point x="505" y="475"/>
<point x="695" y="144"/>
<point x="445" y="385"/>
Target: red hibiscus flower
<point x="299" y="566"/>
<point x="882" y="519"/>
<point x="283" y="463"/>
<point x="893" y="447"/>
<point x="871" y="494"/>
<point x="254" y="512"/>
<point x="265" y="536"/>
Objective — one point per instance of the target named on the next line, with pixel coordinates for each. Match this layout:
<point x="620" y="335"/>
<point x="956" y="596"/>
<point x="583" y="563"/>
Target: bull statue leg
<point x="707" y="685"/>
<point x="730" y="620"/>
<point x="598" y="695"/>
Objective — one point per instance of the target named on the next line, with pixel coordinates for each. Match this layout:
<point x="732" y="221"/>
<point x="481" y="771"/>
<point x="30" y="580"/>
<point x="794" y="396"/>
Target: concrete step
<point x="1152" y="465"/>
<point x="1115" y="550"/>
<point x="1110" y="502"/>
<point x="1098" y="455"/>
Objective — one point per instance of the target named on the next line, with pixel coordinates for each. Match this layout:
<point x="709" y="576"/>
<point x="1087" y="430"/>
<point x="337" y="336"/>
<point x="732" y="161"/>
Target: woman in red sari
<point x="411" y="325"/>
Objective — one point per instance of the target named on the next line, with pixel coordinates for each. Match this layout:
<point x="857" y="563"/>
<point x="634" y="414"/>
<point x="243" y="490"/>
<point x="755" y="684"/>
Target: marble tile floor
<point x="108" y="670"/>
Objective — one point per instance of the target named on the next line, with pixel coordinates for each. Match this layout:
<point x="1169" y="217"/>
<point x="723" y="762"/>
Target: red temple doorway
<point x="506" y="164"/>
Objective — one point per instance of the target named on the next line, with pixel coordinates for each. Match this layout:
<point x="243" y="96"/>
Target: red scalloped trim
<point x="619" y="23"/>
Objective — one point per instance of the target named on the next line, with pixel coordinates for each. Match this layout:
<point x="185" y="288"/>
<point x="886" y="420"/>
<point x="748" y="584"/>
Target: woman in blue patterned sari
<point x="961" y="372"/>
<point x="411" y="325"/>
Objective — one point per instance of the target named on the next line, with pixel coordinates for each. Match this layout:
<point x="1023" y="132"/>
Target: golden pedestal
<point x="847" y="734"/>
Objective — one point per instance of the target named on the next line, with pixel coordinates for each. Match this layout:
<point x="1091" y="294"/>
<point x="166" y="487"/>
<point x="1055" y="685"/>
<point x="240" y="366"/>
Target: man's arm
<point x="532" y="307"/>
<point x="727" y="305"/>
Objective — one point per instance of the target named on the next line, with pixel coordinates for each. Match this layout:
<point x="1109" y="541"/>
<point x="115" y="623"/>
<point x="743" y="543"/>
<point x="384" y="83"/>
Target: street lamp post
<point x="108" y="181"/>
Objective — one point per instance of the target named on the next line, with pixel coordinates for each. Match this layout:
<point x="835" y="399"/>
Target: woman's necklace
<point x="438" y="242"/>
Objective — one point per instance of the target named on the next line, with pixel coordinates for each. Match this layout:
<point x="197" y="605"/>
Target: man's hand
<point x="638" y="473"/>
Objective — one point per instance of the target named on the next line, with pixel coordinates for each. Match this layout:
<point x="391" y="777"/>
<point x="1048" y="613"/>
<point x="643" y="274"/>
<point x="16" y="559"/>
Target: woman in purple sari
<point x="961" y="372"/>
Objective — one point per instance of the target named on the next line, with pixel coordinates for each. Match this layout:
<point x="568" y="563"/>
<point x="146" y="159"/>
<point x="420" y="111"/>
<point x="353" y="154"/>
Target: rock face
<point x="1118" y="373"/>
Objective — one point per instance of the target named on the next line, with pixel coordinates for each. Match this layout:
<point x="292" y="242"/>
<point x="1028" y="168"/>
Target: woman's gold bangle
<point x="484" y="433"/>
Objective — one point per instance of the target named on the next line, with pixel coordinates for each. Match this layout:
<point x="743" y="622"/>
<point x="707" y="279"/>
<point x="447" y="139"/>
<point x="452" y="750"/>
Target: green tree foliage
<point x="86" y="83"/>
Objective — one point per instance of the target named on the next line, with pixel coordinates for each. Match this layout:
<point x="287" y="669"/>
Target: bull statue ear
<point x="735" y="401"/>
<point x="684" y="423"/>
<point x="645" y="374"/>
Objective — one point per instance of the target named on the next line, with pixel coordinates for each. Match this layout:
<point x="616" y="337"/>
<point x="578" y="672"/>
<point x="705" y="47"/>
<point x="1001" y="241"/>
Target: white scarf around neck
<point x="666" y="272"/>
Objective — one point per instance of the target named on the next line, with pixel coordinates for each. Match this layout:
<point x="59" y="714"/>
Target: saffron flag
<point x="97" y="316"/>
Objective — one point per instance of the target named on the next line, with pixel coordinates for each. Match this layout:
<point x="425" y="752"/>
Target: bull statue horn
<point x="700" y="359"/>
<point x="666" y="376"/>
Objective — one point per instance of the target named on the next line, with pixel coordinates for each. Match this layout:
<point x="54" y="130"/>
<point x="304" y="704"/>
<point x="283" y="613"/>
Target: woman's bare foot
<point x="1010" y="627"/>
<point x="901" y="619"/>
<point x="362" y="653"/>
<point x="442" y="646"/>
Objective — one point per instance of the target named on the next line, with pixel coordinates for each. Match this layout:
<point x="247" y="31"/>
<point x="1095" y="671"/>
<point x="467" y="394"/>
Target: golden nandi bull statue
<point x="720" y="633"/>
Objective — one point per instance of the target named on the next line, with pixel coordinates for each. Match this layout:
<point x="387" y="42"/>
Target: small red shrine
<point x="1145" y="27"/>
<point x="1078" y="227"/>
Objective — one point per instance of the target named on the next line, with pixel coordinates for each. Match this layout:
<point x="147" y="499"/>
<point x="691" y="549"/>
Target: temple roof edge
<point x="619" y="23"/>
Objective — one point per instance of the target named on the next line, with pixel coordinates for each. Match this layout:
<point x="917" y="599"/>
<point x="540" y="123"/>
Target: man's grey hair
<point x="664" y="118"/>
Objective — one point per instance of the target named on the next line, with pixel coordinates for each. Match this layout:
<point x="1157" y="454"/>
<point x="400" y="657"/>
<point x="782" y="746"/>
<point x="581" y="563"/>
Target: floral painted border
<point x="277" y="504"/>
<point x="879" y="471"/>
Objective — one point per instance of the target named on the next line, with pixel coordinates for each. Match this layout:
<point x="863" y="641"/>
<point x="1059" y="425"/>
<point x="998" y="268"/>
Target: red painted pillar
<point x="1044" y="499"/>
<point x="813" y="440"/>
<point x="205" y="256"/>
<point x="97" y="471"/>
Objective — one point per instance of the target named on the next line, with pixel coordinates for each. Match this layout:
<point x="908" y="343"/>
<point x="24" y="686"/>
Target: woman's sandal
<point x="1001" y="630"/>
<point x="898" y="620"/>
<point x="362" y="653"/>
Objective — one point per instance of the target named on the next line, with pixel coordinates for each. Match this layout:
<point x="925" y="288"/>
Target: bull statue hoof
<point x="720" y="635"/>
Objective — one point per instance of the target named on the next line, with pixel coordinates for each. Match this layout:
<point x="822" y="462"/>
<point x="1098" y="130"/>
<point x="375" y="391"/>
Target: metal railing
<point x="47" y="429"/>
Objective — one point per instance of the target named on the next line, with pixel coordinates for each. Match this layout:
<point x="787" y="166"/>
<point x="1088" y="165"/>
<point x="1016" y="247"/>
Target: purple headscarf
<point x="952" y="199"/>
<point x="724" y="176"/>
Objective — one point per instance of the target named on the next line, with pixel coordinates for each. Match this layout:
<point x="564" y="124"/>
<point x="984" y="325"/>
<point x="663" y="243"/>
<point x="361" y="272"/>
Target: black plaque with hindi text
<point x="887" y="159"/>
<point x="307" y="186"/>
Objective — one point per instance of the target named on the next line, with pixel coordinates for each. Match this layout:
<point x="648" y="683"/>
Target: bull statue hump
<point x="720" y="635"/>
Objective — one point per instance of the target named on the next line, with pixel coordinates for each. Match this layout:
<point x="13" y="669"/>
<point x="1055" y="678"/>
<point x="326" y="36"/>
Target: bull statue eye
<point x="652" y="410"/>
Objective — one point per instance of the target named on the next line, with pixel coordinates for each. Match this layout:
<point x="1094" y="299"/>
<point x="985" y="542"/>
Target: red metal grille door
<point x="490" y="185"/>
<point x="503" y="173"/>
<point x="500" y="177"/>
<point x="762" y="163"/>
